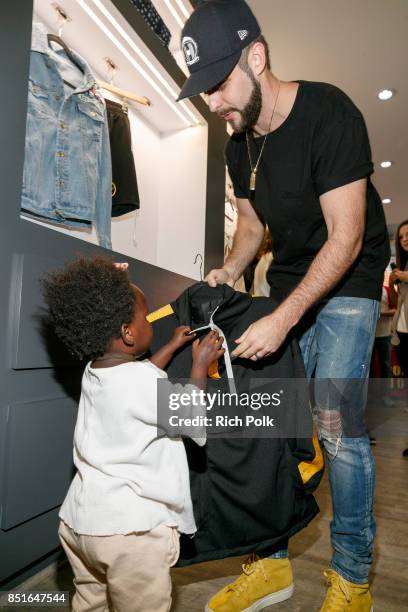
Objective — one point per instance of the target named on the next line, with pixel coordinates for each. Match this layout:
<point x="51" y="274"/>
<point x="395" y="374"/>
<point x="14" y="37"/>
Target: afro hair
<point x="89" y="301"/>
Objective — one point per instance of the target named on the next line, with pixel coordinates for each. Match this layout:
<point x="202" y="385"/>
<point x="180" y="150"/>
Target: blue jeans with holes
<point x="336" y="349"/>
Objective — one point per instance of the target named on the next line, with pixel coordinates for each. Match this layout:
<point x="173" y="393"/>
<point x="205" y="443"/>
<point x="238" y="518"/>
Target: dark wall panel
<point x="31" y="345"/>
<point x="37" y="458"/>
<point x="21" y="546"/>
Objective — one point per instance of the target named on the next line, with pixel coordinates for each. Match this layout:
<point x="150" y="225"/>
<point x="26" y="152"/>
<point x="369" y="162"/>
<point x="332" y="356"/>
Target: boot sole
<point x="268" y="600"/>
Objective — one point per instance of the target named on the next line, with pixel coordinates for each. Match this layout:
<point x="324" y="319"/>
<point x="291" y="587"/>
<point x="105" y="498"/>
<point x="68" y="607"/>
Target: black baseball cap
<point x="212" y="41"/>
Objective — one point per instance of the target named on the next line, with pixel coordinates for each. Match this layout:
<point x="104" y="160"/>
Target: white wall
<point x="169" y="229"/>
<point x="135" y="234"/>
<point x="182" y="200"/>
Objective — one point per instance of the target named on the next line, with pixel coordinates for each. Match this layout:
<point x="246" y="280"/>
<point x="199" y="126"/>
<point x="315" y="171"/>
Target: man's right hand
<point x="219" y="277"/>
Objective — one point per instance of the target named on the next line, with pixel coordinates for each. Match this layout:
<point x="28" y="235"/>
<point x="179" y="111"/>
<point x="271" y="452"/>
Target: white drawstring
<point x="227" y="357"/>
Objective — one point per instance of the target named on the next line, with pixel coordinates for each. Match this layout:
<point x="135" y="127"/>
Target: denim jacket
<point x="67" y="169"/>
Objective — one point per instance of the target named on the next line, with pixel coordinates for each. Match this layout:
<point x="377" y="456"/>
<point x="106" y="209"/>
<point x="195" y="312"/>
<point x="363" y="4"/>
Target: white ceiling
<point x="362" y="47"/>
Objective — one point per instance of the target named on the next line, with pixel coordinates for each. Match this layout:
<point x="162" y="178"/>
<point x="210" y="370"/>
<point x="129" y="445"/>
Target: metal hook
<point x="62" y="17"/>
<point x="112" y="69"/>
<point x="201" y="264"/>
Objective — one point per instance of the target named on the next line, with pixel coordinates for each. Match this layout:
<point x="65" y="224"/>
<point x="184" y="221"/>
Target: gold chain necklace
<point x="254" y="169"/>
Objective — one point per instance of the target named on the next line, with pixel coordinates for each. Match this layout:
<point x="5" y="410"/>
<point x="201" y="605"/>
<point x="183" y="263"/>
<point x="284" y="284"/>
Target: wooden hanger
<point x="123" y="93"/>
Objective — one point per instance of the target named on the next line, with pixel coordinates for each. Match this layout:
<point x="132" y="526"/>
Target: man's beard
<point x="251" y="111"/>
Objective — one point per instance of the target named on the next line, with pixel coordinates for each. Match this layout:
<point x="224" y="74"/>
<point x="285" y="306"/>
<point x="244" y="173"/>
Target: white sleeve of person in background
<point x="230" y="227"/>
<point x="261" y="285"/>
<point x="384" y="322"/>
<point x="402" y="322"/>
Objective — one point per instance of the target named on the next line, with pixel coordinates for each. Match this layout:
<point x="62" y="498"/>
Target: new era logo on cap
<point x="243" y="34"/>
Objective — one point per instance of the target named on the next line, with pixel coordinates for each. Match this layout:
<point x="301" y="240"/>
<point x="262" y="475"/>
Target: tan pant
<point x="122" y="573"/>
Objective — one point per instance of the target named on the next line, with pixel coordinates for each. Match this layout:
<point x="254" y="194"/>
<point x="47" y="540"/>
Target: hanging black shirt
<point x="323" y="144"/>
<point x="125" y="192"/>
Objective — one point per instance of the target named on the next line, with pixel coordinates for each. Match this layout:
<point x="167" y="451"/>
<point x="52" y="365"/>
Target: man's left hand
<point x="262" y="338"/>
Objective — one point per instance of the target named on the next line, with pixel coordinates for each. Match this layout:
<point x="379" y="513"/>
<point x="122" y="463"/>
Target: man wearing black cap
<point x="300" y="163"/>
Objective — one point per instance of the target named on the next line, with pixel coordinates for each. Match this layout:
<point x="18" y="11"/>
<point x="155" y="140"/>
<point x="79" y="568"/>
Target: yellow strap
<point x="160" y="314"/>
<point x="308" y="469"/>
<point x="213" y="370"/>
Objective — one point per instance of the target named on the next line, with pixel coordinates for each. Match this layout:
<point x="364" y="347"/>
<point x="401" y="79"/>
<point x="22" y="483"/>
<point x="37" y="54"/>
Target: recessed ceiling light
<point x="385" y="94"/>
<point x="387" y="201"/>
<point x="386" y="164"/>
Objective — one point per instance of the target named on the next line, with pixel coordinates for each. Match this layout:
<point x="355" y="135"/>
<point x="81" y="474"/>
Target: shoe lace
<point x="252" y="566"/>
<point x="336" y="584"/>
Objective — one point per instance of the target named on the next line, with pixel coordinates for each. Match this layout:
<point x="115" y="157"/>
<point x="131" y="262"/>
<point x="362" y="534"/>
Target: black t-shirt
<point x="323" y="144"/>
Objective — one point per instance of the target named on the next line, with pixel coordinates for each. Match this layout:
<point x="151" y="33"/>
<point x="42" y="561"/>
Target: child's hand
<point x="208" y="350"/>
<point x="181" y="337"/>
<point x="121" y="266"/>
<point x="165" y="354"/>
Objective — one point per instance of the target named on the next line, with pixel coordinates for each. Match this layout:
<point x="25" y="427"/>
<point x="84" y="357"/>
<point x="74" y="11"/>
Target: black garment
<point x="323" y="144"/>
<point x="125" y="193"/>
<point x="249" y="274"/>
<point x="249" y="495"/>
<point x="382" y="349"/>
<point x="153" y="19"/>
<point x="402" y="354"/>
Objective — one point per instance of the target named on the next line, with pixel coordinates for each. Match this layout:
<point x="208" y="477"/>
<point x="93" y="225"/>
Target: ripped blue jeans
<point x="336" y="349"/>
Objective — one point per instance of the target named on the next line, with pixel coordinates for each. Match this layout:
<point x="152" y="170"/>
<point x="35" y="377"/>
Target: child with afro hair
<point x="130" y="497"/>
